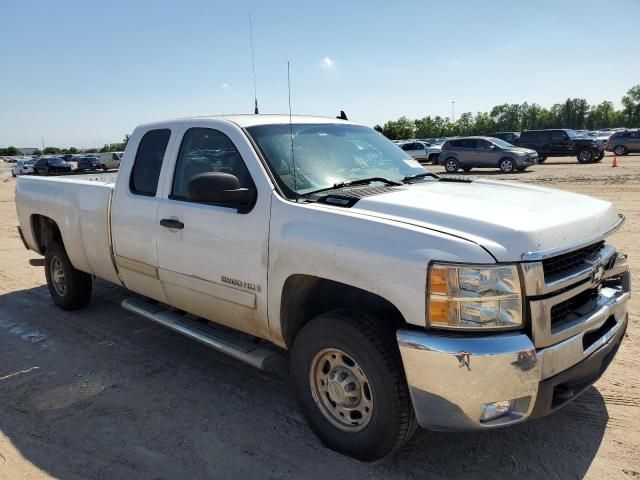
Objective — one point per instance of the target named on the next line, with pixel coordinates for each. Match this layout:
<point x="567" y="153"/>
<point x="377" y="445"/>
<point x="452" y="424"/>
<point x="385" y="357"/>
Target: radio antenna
<point x="293" y="158"/>
<point x="253" y="67"/>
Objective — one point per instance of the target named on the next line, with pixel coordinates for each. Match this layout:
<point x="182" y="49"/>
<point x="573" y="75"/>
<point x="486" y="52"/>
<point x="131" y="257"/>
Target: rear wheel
<point x="620" y="150"/>
<point x="585" y="156"/>
<point x="70" y="288"/>
<point x="507" y="165"/>
<point x="348" y="377"/>
<point x="451" y="165"/>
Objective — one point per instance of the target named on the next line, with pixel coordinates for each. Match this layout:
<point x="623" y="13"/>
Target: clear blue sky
<point x="80" y="72"/>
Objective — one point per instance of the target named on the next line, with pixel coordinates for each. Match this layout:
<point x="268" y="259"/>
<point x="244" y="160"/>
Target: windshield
<point x="501" y="143"/>
<point x="56" y="161"/>
<point x="329" y="154"/>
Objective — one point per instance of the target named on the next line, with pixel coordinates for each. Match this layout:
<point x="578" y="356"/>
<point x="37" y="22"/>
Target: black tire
<point x="599" y="157"/>
<point x="620" y="150"/>
<point x="466" y="169"/>
<point x="76" y="293"/>
<point x="507" y="165"/>
<point x="451" y="165"/>
<point x="371" y="345"/>
<point x="585" y="156"/>
<point x="13" y="174"/>
<point x="541" y="158"/>
<point x="104" y="168"/>
<point x="433" y="158"/>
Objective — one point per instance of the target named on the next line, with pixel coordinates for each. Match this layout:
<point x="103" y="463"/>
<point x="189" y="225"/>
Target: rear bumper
<point x="451" y="378"/>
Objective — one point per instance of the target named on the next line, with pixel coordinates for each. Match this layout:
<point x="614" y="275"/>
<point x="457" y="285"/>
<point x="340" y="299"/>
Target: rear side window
<point x="558" y="136"/>
<point x="148" y="162"/>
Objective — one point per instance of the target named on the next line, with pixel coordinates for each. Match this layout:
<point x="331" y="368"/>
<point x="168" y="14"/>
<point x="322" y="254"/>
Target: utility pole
<point x="453" y="111"/>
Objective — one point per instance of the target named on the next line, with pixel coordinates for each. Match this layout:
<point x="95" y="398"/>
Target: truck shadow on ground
<point x="101" y="393"/>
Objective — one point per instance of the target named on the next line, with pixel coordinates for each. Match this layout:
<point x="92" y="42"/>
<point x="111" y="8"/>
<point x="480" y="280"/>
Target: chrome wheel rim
<point x="585" y="156"/>
<point x="619" y="151"/>
<point x="507" y="165"/>
<point x="341" y="390"/>
<point x="57" y="276"/>
<point x="451" y="166"/>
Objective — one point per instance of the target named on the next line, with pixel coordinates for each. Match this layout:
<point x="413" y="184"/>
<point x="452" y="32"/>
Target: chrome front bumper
<point x="451" y="377"/>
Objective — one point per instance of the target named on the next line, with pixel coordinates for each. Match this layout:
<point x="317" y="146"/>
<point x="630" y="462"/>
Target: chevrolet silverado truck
<point x="398" y="298"/>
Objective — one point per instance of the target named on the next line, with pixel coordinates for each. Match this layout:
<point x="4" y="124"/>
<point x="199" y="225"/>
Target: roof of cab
<point x="250" y="120"/>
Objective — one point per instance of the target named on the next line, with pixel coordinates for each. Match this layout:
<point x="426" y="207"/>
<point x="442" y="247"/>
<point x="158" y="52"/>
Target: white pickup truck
<point x="400" y="298"/>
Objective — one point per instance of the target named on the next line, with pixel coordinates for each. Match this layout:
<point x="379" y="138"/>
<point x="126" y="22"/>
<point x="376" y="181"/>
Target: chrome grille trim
<point x="536" y="285"/>
<point x="543" y="332"/>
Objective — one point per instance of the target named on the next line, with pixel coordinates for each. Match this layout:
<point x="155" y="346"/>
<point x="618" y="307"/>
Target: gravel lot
<point x="104" y="394"/>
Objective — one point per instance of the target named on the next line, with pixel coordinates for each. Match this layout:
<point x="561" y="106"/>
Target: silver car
<point x="485" y="152"/>
<point x="421" y="151"/>
<point x="22" y="167"/>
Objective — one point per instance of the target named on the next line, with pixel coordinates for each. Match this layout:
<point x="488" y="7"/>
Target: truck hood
<point x="520" y="150"/>
<point x="507" y="219"/>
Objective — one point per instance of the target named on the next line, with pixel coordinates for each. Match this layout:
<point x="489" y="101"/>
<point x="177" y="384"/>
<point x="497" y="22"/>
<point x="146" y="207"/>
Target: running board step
<point x="240" y="346"/>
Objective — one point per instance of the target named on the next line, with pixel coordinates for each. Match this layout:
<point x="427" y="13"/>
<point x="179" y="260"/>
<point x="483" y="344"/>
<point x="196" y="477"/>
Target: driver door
<point x="212" y="259"/>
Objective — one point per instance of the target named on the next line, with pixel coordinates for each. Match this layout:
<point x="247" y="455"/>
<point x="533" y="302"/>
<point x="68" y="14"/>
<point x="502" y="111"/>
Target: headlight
<point x="474" y="297"/>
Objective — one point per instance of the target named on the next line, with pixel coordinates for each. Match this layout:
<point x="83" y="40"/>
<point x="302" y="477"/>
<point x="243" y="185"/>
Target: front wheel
<point x="541" y="158"/>
<point x="13" y="174"/>
<point x="585" y="156"/>
<point x="348" y="377"/>
<point x="507" y="165"/>
<point x="70" y="288"/>
<point x="451" y="165"/>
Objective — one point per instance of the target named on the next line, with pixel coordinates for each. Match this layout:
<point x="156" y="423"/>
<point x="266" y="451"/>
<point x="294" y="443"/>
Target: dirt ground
<point x="104" y="394"/>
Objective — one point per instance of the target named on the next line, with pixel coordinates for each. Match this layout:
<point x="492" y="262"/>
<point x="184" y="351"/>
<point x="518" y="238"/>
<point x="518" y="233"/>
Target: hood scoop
<point x="348" y="197"/>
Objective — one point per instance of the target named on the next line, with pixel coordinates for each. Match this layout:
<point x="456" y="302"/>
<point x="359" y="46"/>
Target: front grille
<point x="574" y="307"/>
<point x="561" y="264"/>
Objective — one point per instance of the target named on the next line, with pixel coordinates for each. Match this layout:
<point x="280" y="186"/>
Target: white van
<point x="110" y="160"/>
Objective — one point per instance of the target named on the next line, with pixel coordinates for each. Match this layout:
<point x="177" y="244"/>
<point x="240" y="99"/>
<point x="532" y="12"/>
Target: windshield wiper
<point x="419" y="175"/>
<point x="353" y="183"/>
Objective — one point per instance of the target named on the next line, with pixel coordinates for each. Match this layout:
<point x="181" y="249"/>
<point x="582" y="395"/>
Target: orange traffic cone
<point x="614" y="164"/>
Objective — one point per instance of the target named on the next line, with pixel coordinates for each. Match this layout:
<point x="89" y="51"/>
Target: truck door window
<point x="148" y="162"/>
<point x="206" y="150"/>
<point x="558" y="136"/>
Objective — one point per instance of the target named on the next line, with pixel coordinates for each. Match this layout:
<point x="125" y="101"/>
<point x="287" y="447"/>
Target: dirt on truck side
<point x="102" y="393"/>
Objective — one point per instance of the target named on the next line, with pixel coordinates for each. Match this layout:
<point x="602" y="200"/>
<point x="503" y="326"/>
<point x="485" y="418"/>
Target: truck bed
<point x="79" y="205"/>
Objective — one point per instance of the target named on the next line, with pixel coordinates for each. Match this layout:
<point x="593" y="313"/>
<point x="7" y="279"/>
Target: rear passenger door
<point x="561" y="144"/>
<point x="133" y="213"/>
<point x="467" y="155"/>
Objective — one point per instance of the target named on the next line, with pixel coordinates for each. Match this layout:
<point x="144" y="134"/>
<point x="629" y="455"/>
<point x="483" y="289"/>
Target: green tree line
<point x="110" y="147"/>
<point x="574" y="113"/>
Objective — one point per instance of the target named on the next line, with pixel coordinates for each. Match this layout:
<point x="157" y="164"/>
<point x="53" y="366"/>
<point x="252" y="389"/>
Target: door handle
<point x="172" y="223"/>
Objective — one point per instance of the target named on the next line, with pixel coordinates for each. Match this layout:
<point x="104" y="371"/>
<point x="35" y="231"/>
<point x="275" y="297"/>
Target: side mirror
<point x="218" y="188"/>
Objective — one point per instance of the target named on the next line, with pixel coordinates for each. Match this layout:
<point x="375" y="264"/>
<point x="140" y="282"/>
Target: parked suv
<point x="88" y="163"/>
<point x="485" y="152"/>
<point x="624" y="142"/>
<point x="561" y="142"/>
